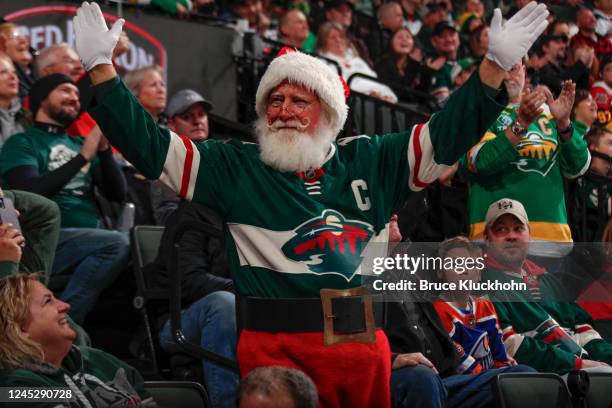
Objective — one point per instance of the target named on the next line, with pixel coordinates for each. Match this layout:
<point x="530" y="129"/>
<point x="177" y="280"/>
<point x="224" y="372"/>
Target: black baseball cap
<point x="441" y="26"/>
<point x="331" y="4"/>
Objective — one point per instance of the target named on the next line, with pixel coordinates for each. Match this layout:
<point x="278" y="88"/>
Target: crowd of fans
<point x="547" y="183"/>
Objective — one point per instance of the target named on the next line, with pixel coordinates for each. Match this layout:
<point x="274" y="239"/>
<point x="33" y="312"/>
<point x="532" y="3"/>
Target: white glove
<point x="510" y="42"/>
<point x="94" y="41"/>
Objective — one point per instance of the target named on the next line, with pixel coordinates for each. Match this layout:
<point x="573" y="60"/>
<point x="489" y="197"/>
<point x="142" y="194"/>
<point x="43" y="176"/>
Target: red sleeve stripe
<point x="418" y="156"/>
<point x="186" y="166"/>
<point x="181" y="166"/>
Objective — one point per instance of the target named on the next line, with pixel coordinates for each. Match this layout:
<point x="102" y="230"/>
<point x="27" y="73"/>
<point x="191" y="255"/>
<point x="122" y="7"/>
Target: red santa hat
<point x="313" y="74"/>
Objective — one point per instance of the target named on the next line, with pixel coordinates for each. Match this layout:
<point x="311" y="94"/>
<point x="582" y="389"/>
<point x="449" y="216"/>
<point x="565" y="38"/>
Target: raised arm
<point x="474" y="107"/>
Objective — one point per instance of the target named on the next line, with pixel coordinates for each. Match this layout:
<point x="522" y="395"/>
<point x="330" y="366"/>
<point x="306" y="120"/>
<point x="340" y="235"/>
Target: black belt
<point x="301" y="315"/>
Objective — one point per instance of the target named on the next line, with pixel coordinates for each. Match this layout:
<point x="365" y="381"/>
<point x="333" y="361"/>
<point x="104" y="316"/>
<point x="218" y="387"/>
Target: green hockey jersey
<point x="548" y="335"/>
<point x="289" y="235"/>
<point x="530" y="172"/>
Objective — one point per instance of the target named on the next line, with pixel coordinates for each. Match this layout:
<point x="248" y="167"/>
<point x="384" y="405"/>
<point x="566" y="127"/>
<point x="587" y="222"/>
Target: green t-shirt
<point x="48" y="152"/>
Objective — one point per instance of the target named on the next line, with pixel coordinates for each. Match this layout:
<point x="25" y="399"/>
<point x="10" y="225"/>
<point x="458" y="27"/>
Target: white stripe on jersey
<point x="423" y="168"/>
<point x="181" y="166"/>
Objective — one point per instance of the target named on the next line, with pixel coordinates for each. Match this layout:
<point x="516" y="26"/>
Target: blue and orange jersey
<point x="476" y="334"/>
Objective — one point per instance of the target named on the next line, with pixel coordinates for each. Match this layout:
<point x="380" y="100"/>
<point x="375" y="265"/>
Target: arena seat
<point x="178" y="394"/>
<point x="531" y="390"/>
<point x="600" y="391"/>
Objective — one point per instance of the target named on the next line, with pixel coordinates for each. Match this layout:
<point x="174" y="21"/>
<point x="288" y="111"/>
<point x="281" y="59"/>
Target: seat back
<point x="600" y="390"/>
<point x="178" y="394"/>
<point x="145" y="241"/>
<point x="531" y="390"/>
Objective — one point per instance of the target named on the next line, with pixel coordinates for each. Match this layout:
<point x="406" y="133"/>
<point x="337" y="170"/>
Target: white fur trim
<point x="312" y="73"/>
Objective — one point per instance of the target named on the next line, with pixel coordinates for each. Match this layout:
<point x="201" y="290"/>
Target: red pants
<point x="347" y="375"/>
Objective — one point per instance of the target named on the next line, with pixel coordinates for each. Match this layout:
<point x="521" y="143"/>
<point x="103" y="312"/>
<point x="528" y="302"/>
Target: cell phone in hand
<point x="8" y="215"/>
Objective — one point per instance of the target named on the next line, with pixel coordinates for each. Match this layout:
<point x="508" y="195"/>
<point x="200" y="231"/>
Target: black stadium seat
<point x="178" y="394"/>
<point x="531" y="390"/>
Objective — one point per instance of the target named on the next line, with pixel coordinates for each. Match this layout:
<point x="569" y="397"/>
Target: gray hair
<point x="46" y="57"/>
<point x="133" y="79"/>
<point x="263" y="380"/>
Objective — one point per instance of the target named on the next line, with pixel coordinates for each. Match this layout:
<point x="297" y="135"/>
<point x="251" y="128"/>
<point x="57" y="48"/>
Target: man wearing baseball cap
<point x="188" y="114"/>
<point x="45" y="160"/>
<point x="540" y="327"/>
<point x="445" y="42"/>
<point x="299" y="209"/>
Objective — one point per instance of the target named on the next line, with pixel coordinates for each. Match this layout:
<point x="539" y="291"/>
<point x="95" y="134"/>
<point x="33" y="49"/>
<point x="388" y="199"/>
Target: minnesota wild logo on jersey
<point x="538" y="152"/>
<point x="329" y="243"/>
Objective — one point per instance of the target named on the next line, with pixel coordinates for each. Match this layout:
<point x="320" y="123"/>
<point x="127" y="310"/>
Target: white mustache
<point x="290" y="123"/>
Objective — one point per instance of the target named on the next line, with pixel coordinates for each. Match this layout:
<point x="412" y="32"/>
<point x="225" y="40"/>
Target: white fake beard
<point x="293" y="150"/>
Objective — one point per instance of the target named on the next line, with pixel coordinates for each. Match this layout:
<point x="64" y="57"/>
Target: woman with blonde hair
<point x="37" y="351"/>
<point x="332" y="43"/>
<point x="148" y="86"/>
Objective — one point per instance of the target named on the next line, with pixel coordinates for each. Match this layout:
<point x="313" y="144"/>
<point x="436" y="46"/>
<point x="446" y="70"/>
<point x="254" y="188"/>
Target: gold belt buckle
<point x="329" y="337"/>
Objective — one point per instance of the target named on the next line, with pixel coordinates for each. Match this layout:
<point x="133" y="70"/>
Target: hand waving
<point x="94" y="41"/>
<point x="508" y="43"/>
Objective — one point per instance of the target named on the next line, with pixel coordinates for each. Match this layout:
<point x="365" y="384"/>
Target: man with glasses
<point x="299" y="208"/>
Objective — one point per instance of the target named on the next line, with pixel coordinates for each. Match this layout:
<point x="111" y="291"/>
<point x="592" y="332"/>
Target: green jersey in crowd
<point x="48" y="152"/>
<point x="88" y="377"/>
<point x="531" y="172"/>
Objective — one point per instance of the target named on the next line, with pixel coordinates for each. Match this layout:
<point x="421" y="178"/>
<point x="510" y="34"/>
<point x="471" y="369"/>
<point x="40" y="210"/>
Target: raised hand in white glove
<point x="94" y="41"/>
<point x="510" y="42"/>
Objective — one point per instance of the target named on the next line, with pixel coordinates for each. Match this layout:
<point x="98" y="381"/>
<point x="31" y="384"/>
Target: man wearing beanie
<point x="299" y="208"/>
<point x="46" y="161"/>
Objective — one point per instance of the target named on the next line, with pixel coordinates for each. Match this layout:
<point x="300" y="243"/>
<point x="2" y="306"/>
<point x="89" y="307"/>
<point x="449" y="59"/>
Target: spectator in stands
<point x="59" y="59"/>
<point x="555" y="71"/>
<point x="528" y="161"/>
<point x="14" y="44"/>
<point x="187" y="116"/>
<point x="412" y="15"/>
<point x="404" y="64"/>
<point x="436" y="14"/>
<point x="462" y="71"/>
<point x="333" y="44"/>
<point x="13" y="118"/>
<point x="584" y="109"/>
<point x="275" y="195"/>
<point x="252" y="11"/>
<point x="445" y="41"/>
<point x="46" y="161"/>
<point x="596" y="299"/>
<point x="37" y="350"/>
<point x="277" y="386"/>
<point x="602" y="94"/>
<point x="341" y="12"/>
<point x="592" y="191"/>
<point x="148" y="85"/>
<point x="426" y="361"/>
<point x="390" y="19"/>
<point x="293" y="31"/>
<point x="541" y="328"/>
<point x="208" y="313"/>
<point x="600" y="140"/>
<point x="603" y="14"/>
<point x="470" y="321"/>
<point x="478" y="41"/>
<point x="587" y="36"/>
<point x="62" y="59"/>
<point x="179" y="8"/>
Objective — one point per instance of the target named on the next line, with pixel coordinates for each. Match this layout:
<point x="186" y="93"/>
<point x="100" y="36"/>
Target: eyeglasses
<point x="15" y="35"/>
<point x="294" y="108"/>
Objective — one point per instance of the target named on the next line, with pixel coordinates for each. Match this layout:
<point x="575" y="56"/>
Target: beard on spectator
<point x="293" y="150"/>
<point x="63" y="114"/>
<point x="510" y="254"/>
